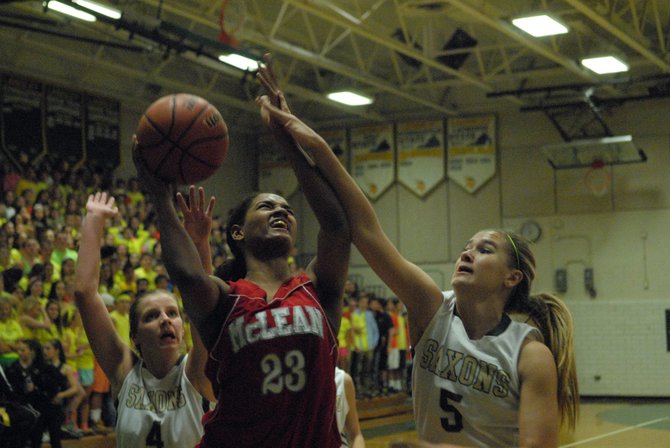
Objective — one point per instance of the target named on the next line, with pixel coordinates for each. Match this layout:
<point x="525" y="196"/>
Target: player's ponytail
<point x="554" y="320"/>
<point x="236" y="267"/>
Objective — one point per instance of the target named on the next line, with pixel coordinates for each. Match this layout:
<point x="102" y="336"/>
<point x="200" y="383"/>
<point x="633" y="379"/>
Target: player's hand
<point x="99" y="204"/>
<point x="197" y="218"/>
<point x="267" y="78"/>
<point x="146" y="178"/>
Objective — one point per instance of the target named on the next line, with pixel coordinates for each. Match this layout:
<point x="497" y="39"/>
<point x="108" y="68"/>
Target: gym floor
<point x="603" y="423"/>
<point x="610" y="423"/>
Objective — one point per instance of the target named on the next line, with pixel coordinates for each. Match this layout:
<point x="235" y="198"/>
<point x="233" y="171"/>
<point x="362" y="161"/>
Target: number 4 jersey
<point x="158" y="412"/>
<point x="467" y="391"/>
<point x="273" y="369"/>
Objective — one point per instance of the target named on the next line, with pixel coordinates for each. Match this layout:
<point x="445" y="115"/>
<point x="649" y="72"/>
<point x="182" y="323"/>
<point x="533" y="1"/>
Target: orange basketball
<point x="182" y="138"/>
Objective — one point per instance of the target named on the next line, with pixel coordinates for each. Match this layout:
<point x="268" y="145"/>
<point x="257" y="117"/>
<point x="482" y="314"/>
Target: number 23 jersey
<point x="273" y="368"/>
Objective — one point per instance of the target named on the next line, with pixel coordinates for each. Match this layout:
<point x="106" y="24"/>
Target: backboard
<point x="594" y="152"/>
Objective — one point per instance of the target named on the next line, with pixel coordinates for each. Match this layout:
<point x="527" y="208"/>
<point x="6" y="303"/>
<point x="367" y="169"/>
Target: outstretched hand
<point x="99" y="204"/>
<point x="303" y="136"/>
<point x="148" y="180"/>
<point x="276" y="98"/>
<point x="197" y="218"/>
<point x="267" y="78"/>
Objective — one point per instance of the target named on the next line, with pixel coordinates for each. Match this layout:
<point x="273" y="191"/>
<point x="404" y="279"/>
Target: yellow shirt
<point x="10" y="331"/>
<point x="345" y="327"/>
<point x="122" y="325"/>
<point x="69" y="340"/>
<point x="140" y="272"/>
<point x="401" y="335"/>
<point x="85" y="360"/>
<point x="361" y="337"/>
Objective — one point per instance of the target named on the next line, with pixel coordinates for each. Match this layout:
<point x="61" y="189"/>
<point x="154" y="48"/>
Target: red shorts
<point x="100" y="382"/>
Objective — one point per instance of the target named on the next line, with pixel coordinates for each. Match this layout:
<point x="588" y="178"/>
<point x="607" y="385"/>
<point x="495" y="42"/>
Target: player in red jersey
<point x="271" y="336"/>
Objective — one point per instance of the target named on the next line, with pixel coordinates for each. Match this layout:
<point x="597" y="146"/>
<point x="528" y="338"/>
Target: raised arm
<point x="198" y="224"/>
<point x="200" y="292"/>
<point x="329" y="268"/>
<point x="414" y="287"/>
<point x="115" y="358"/>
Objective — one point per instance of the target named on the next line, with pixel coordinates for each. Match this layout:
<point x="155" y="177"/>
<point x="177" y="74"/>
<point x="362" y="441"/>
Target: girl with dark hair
<point x="271" y="335"/>
<point x="38" y="383"/>
<point x="72" y="393"/>
<point x="479" y="377"/>
<point x="159" y="390"/>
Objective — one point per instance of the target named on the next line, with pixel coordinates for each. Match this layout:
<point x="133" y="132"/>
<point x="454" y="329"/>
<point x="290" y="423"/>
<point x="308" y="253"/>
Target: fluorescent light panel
<point x="604" y="65"/>
<point x="540" y="26"/>
<point x="239" y="61"/>
<point x="350" y="98"/>
<point x="99" y="8"/>
<point x="70" y="11"/>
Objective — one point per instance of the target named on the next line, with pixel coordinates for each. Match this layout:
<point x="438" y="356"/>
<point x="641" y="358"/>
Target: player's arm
<point x="538" y="410"/>
<point x="200" y="292"/>
<point x="351" y="423"/>
<point x="198" y="225"/>
<point x="329" y="268"/>
<point x="414" y="287"/>
<point x="115" y="357"/>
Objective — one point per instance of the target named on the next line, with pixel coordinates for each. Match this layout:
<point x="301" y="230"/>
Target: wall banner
<point x="65" y="123"/>
<point x="22" y="116"/>
<point x="275" y="174"/>
<point x="373" y="158"/>
<point x="472" y="151"/>
<point x="421" y="155"/>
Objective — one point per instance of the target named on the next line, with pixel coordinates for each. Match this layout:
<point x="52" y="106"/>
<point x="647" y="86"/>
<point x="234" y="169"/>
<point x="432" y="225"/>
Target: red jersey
<point x="273" y="367"/>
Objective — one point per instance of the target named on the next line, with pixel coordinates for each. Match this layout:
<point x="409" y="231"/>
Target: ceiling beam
<point x="607" y="25"/>
<point x="533" y="44"/>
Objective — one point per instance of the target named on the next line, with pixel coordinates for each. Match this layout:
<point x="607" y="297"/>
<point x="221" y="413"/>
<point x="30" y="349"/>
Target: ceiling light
<point x="350" y="98"/>
<point x="540" y="26"/>
<point x="239" y="61"/>
<point x="99" y="8"/>
<point x="70" y="11"/>
<point x="605" y="64"/>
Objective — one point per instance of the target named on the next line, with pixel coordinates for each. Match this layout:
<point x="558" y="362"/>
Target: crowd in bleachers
<point x="41" y="213"/>
<point x="40" y="219"/>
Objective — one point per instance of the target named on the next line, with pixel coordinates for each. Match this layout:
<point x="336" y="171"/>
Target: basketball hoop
<point x="598" y="179"/>
<point x="231" y="18"/>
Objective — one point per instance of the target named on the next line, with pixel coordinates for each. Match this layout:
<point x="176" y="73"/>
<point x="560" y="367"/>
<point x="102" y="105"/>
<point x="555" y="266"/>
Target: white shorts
<point x="393" y="361"/>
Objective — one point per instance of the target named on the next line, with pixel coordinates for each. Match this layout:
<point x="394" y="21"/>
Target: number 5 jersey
<point x="467" y="391"/>
<point x="272" y="368"/>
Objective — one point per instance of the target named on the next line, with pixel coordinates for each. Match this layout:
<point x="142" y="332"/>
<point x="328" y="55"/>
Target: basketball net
<point x="598" y="179"/>
<point x="231" y="18"/>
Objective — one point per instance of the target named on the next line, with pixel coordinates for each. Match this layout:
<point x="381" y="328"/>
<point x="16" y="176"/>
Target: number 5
<point x="453" y="422"/>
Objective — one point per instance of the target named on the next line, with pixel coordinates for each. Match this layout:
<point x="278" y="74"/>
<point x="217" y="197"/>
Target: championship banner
<point x="337" y="140"/>
<point x="275" y="174"/>
<point x="472" y="151"/>
<point x="373" y="158"/>
<point x="102" y="132"/>
<point x="22" y="116"/>
<point x="64" y="124"/>
<point x="421" y="155"/>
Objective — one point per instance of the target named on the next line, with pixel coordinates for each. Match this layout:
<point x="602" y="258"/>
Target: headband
<point x="516" y="251"/>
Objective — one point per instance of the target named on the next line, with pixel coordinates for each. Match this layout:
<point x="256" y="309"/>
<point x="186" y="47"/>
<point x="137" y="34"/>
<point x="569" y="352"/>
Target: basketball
<point x="182" y="138"/>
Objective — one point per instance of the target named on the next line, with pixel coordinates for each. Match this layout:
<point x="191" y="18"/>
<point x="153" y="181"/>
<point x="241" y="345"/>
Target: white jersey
<point x="464" y="387"/>
<point x="342" y="405"/>
<point x="168" y="416"/>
